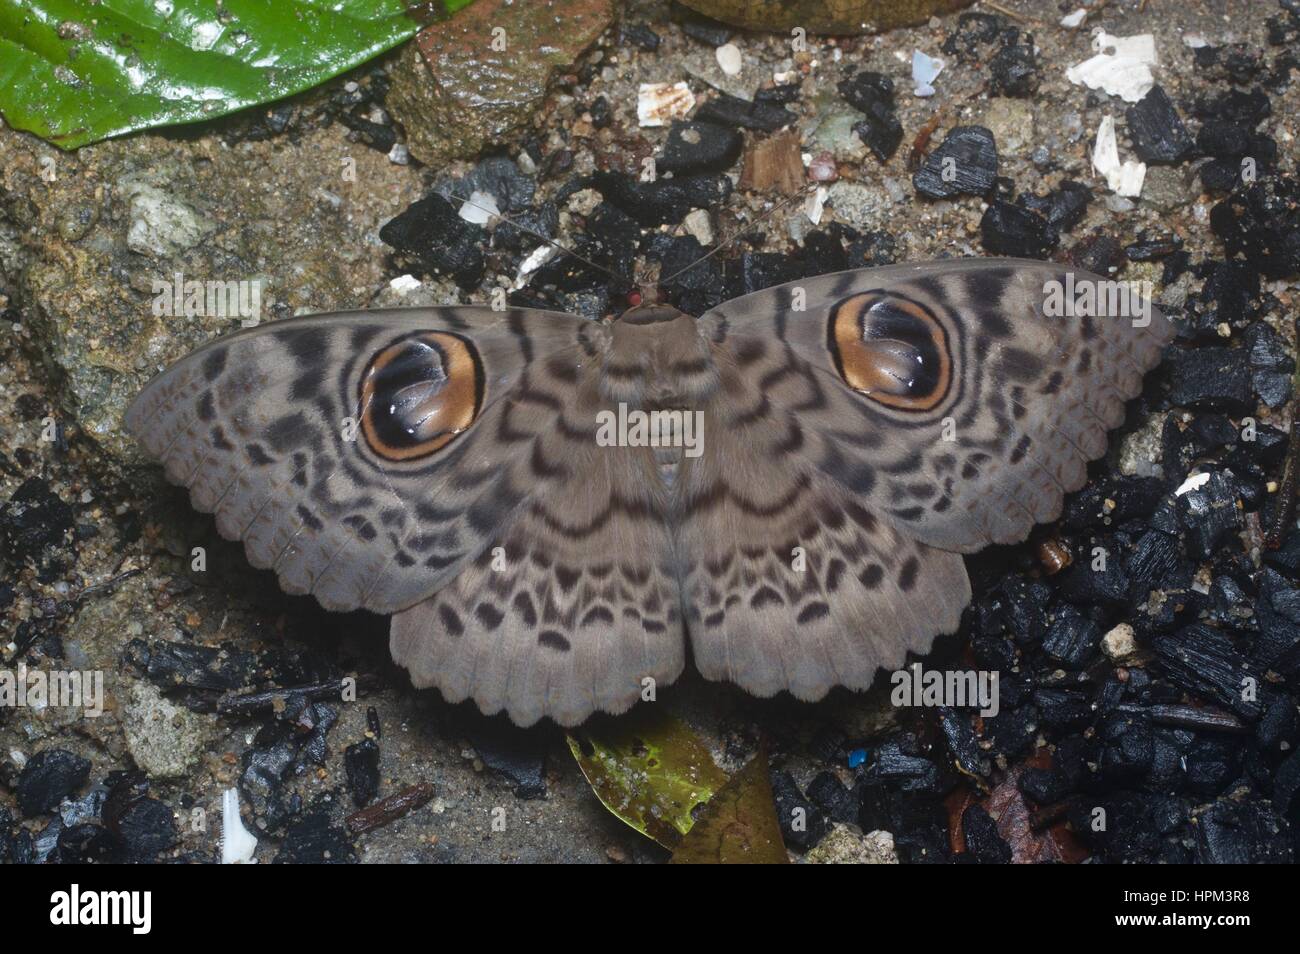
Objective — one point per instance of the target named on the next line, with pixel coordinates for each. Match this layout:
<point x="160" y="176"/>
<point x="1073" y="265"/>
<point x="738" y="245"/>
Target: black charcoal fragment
<point x="699" y="147"/>
<point x="1286" y="787"/>
<point x="1007" y="229"/>
<point x="432" y="233"/>
<point x="1071" y="639"/>
<point x="1011" y="733"/>
<point x="1278" y="614"/>
<point x="1212" y="378"/>
<point x="1063" y="709"/>
<point x="802" y="822"/>
<point x="974" y="31"/>
<point x="1211" y="763"/>
<point x="833" y="799"/>
<point x="983" y="843"/>
<point x="783" y="94"/>
<point x="761" y="270"/>
<point x="1096" y="252"/>
<point x="1128" y="748"/>
<point x="1150" y="248"/>
<point x="1083" y="584"/>
<point x="1261" y="223"/>
<point x="265" y="768"/>
<point x="1013" y="70"/>
<point x="35" y="530"/>
<point x="872" y="249"/>
<point x="962" y="743"/>
<point x="898" y="762"/>
<point x="639" y="35"/>
<point x="1044" y="786"/>
<point x="1157" y="130"/>
<point x="873" y="94"/>
<point x="314" y="839"/>
<point x="966" y="162"/>
<point x="1063" y="207"/>
<point x="1203" y="661"/>
<point x="1271" y="365"/>
<point x="724" y="109"/>
<point x="361" y="761"/>
<point x="88" y="843"/>
<point x="49" y="776"/>
<point x="147" y="827"/>
<point x="1209" y="514"/>
<point x="664" y="201"/>
<point x="1242" y="832"/>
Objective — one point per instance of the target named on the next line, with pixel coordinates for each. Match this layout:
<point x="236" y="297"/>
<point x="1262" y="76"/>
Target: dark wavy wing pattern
<point x="262" y="427"/>
<point x="859" y="431"/>
<point x="1031" y="396"/>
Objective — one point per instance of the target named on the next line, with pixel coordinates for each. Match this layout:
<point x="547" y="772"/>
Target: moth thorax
<point x="657" y="355"/>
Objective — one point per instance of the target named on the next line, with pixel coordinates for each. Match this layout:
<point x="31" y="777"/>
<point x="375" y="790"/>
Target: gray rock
<point x="161" y="225"/>
<point x="860" y="206"/>
<point x="164" y="739"/>
<point x="1165" y="188"/>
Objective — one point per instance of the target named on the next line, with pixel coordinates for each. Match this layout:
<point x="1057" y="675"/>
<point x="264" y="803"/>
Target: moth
<point x="856" y="433"/>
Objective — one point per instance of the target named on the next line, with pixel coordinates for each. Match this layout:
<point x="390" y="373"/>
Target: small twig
<point x="112" y="581"/>
<point x="388" y="810"/>
<point x="1008" y="12"/>
<point x="233" y="703"/>
<point x="1284" y="503"/>
<point x="1190" y="717"/>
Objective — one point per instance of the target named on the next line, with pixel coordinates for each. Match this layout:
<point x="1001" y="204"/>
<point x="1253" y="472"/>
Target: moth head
<point x="418" y="393"/>
<point x="892" y="349"/>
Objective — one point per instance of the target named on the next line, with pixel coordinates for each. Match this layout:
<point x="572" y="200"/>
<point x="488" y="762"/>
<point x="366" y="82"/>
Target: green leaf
<point x="739" y="825"/>
<point x="649" y="769"/>
<point x="76" y="71"/>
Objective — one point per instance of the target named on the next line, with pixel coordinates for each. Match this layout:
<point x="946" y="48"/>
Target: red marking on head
<point x="634" y="298"/>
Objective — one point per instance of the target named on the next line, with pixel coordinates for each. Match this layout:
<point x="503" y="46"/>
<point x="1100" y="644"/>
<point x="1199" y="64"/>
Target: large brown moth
<point x="856" y="433"/>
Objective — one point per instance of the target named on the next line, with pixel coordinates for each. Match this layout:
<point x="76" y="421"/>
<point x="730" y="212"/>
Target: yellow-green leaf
<point x="739" y="825"/>
<point x="649" y="769"/>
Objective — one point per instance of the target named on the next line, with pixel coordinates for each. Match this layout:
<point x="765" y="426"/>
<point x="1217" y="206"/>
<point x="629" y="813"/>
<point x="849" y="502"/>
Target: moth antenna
<point x="730" y="240"/>
<point x="450" y="194"/>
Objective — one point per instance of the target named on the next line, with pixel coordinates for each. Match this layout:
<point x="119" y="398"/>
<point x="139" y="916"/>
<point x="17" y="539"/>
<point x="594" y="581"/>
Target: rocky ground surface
<point x="1121" y="690"/>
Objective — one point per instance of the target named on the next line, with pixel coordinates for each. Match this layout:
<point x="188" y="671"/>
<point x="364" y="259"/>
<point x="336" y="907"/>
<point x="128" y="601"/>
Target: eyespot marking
<point x="891" y="349"/>
<point x="419" y="393"/>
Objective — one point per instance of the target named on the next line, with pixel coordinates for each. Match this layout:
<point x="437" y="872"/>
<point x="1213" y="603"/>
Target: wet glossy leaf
<point x="649" y="769"/>
<point x="75" y="71"/>
<point x="739" y="825"/>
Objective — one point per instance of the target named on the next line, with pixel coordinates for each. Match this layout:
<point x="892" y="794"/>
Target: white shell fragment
<point x="925" y="69"/>
<point x="729" y="59"/>
<point x="404" y="283"/>
<point x="1194" y="482"/>
<point x="1123" y="178"/>
<point x="539" y="257"/>
<point x="480" y="209"/>
<point x="1122" y="66"/>
<point x="237" y="844"/>
<point x="657" y="104"/>
<point x="1075" y="19"/>
<point x="814" y="205"/>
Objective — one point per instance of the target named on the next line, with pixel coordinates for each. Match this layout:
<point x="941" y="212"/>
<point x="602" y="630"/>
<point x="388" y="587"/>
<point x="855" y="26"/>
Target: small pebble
<point x="729" y="59"/>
